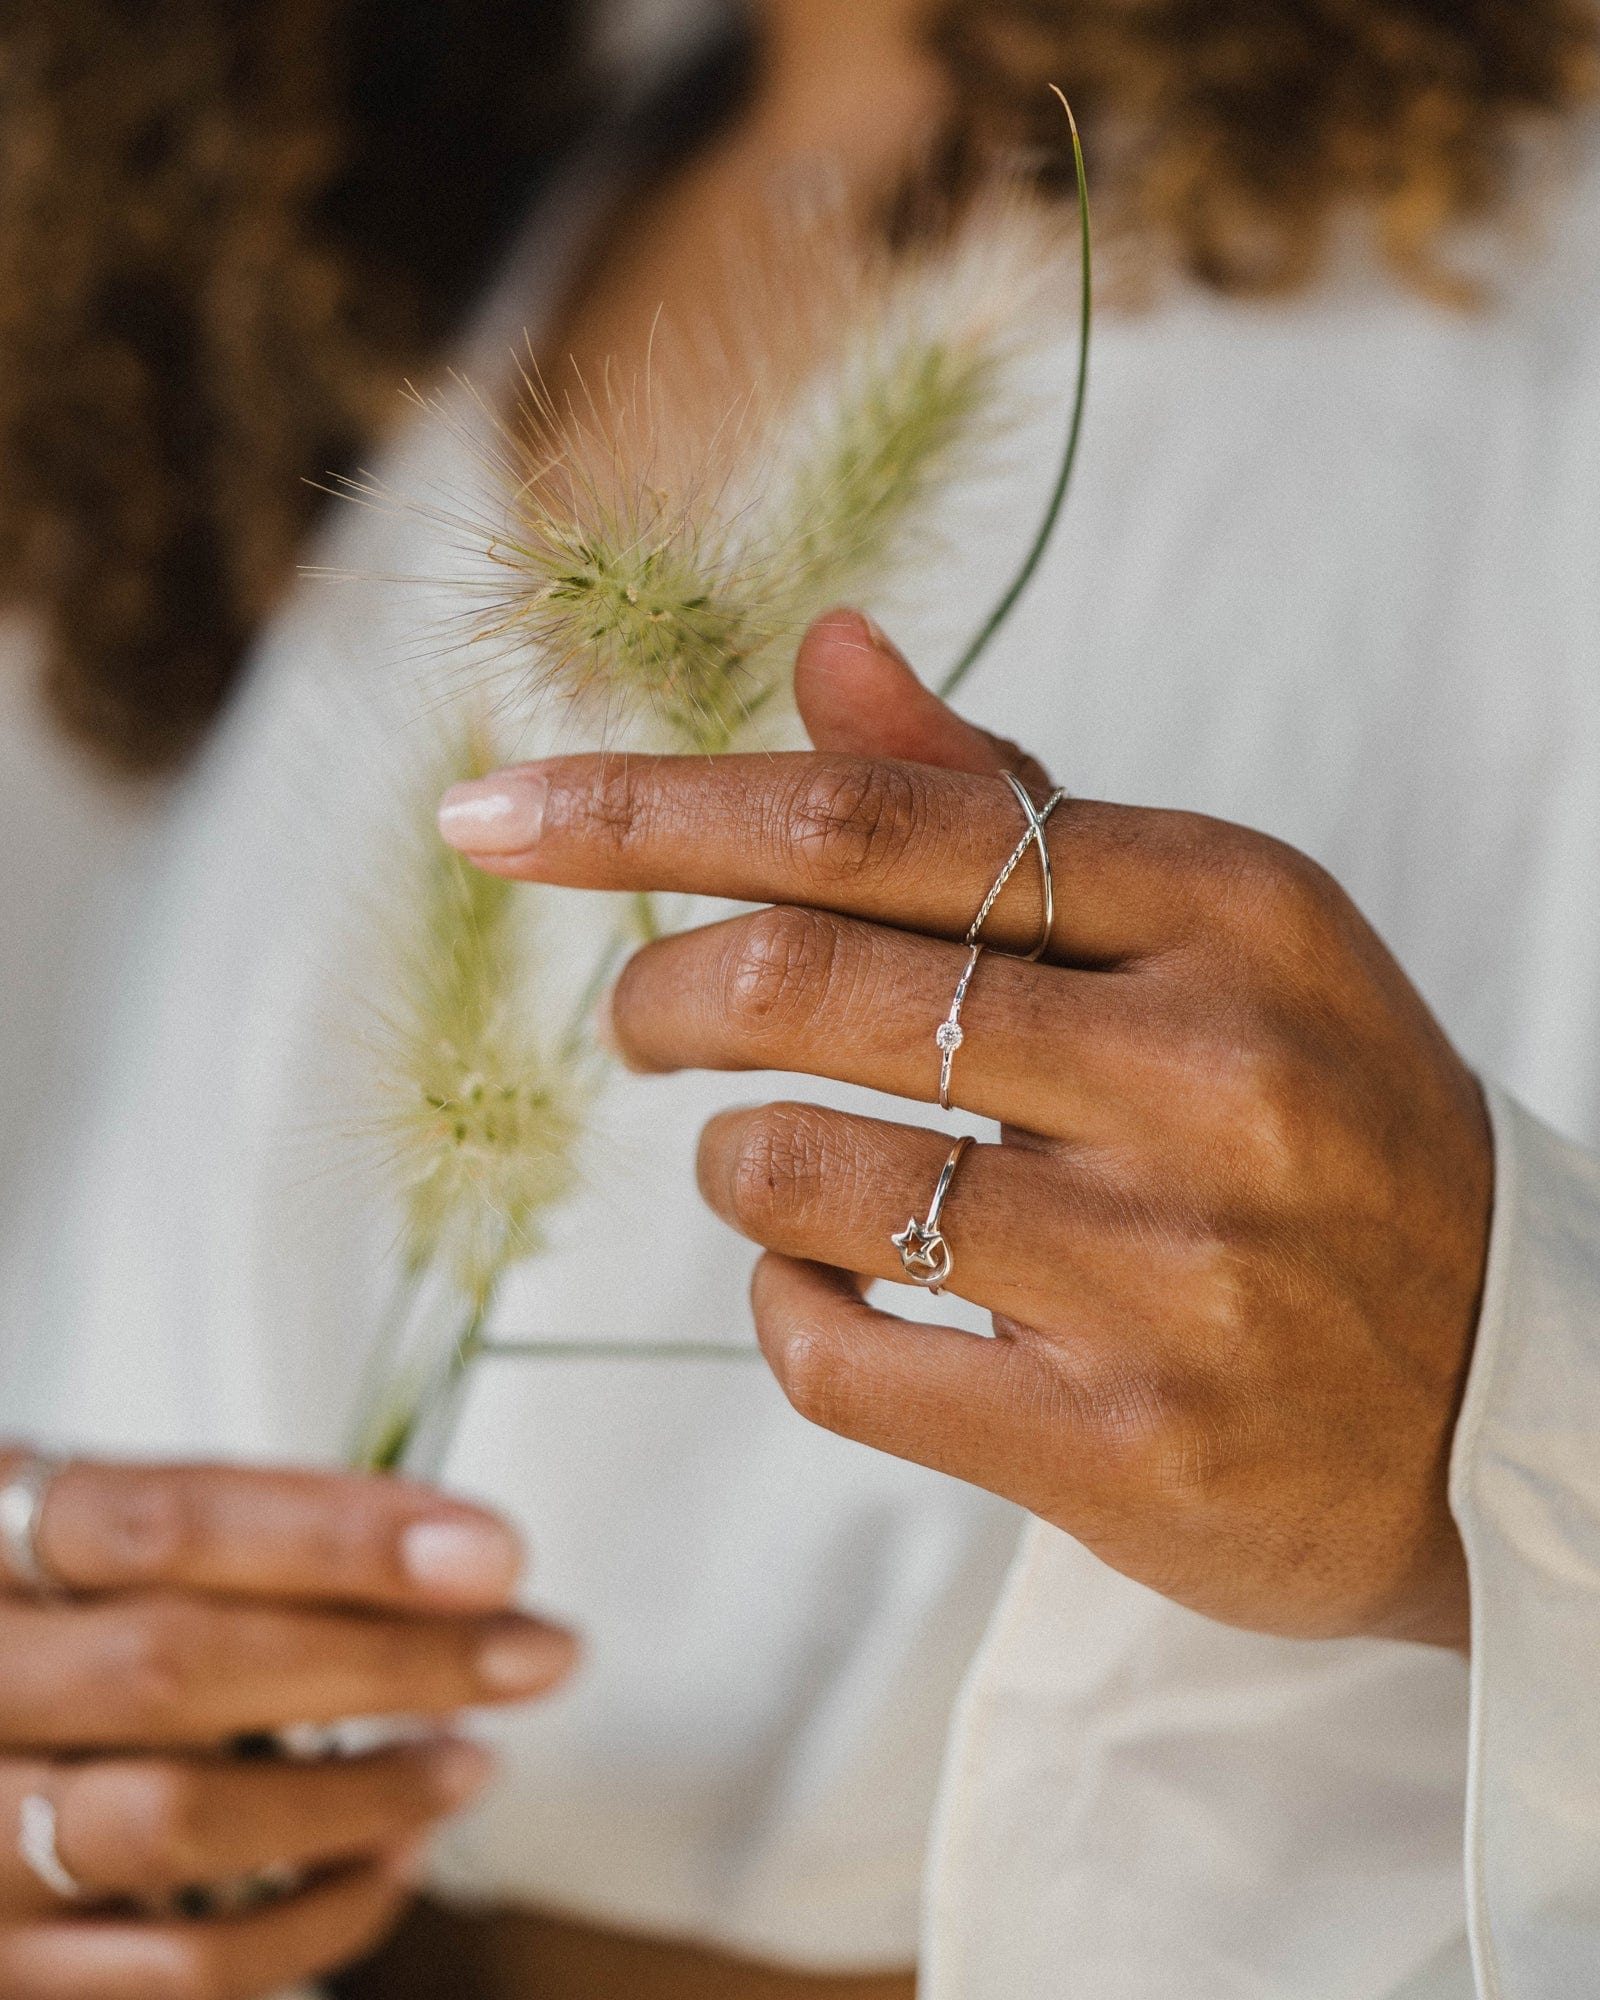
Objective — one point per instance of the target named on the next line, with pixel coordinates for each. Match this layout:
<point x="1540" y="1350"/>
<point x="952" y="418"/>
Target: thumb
<point x="856" y="693"/>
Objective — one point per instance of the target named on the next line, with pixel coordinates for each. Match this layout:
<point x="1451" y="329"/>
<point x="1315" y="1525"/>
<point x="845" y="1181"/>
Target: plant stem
<point x="619" y="1350"/>
<point x="389" y="1441"/>
<point x="980" y="642"/>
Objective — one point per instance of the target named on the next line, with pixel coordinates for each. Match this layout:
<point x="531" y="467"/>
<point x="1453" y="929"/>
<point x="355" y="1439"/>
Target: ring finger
<point x="833" y="1188"/>
<point x="145" y="1828"/>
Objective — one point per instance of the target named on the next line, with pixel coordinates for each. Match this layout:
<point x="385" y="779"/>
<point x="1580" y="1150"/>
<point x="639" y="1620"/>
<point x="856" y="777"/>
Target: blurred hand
<point x="1234" y="1236"/>
<point x="211" y="1604"/>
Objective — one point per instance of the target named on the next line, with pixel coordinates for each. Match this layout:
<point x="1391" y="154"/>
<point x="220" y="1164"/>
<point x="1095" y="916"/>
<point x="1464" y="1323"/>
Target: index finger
<point x="910" y="844"/>
<point x="253" y="1532"/>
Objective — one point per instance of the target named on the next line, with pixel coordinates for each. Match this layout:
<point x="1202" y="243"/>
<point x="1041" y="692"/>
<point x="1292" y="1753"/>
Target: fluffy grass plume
<point x="482" y="1107"/>
<point x="477" y="1107"/>
<point x="657" y="549"/>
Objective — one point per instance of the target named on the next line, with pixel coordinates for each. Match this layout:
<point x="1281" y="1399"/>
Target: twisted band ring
<point x="1034" y="837"/>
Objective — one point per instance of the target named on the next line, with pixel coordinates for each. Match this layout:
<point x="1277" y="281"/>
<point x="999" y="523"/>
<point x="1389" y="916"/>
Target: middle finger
<point x="165" y="1669"/>
<point x="1064" y="1054"/>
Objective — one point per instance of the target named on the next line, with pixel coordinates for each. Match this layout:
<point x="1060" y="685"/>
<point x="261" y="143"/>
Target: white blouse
<point x="1328" y="570"/>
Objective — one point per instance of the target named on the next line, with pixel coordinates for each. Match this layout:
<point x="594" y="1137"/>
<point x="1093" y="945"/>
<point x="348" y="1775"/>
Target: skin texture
<point x="210" y="1603"/>
<point x="1233" y="1236"/>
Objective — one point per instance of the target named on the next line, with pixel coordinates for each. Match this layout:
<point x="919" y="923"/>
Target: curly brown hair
<point x="225" y="231"/>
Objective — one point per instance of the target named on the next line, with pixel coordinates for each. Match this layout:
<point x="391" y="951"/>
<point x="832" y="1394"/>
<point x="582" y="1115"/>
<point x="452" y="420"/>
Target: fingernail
<point x="604" y="1028"/>
<point x="472" y="1560"/>
<point x="880" y="638"/>
<point x="605" y="1025"/>
<point x="498" y="815"/>
<point x="523" y="1659"/>
<point x="458" y="1770"/>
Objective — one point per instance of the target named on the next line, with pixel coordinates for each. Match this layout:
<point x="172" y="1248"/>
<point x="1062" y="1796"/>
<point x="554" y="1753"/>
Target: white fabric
<point x="1328" y="570"/>
<point x="1526" y="1490"/>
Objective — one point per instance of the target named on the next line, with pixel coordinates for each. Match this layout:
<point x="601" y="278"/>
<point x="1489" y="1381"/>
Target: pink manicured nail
<point x="523" y="1659"/>
<point x="498" y="815"/>
<point x="473" y="1560"/>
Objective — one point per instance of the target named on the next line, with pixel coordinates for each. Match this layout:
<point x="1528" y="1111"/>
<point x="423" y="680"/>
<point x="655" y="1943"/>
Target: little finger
<point x="230" y="1958"/>
<point x="167" y="1670"/>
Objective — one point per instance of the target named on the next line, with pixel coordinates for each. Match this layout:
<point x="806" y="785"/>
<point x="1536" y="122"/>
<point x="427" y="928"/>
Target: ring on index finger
<point x="950" y="1034"/>
<point x="1034" y="838"/>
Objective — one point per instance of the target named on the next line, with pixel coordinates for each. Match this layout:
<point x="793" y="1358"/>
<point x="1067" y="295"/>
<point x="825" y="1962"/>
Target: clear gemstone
<point x="949" y="1036"/>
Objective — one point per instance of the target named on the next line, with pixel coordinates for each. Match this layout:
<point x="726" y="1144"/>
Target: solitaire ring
<point x="950" y="1034"/>
<point x="924" y="1252"/>
<point x="22" y="1499"/>
<point x="36" y="1845"/>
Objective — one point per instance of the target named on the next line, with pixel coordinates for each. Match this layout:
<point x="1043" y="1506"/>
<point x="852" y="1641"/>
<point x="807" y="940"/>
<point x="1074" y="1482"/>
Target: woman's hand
<point x="1234" y="1238"/>
<point x="209" y="1604"/>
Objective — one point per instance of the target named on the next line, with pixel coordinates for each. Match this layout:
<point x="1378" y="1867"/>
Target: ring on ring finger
<point x="36" y="1846"/>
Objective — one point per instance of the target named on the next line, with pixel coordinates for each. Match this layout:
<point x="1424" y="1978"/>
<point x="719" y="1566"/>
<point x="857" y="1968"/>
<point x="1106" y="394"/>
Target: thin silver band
<point x="1034" y="837"/>
<point x="36" y="1844"/>
<point x="22" y="1499"/>
<point x="924" y="1251"/>
<point x="950" y="1033"/>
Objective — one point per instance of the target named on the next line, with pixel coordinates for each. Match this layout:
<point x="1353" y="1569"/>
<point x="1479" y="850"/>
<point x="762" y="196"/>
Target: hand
<point x="1234" y="1236"/>
<point x="215" y="1604"/>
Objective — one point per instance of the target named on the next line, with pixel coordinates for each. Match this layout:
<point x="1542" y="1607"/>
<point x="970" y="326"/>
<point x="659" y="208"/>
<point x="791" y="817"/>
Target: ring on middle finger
<point x="1034" y="838"/>
<point x="950" y="1034"/>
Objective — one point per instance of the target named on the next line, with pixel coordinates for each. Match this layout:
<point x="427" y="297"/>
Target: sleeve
<point x="1525" y="1490"/>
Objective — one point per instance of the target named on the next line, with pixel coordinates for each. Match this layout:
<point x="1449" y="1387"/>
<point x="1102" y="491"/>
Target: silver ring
<point x="950" y="1035"/>
<point x="22" y="1499"/>
<point x="924" y="1252"/>
<point x="1034" y="837"/>
<point x="36" y="1844"/>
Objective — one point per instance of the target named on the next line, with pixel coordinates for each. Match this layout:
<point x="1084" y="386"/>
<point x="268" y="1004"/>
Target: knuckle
<point x="161" y="1813"/>
<point x="401" y="1660"/>
<point x="817" y="1376"/>
<point x="782" y="966"/>
<point x="1281" y="896"/>
<point x="1261" y="1101"/>
<point x="779" y="1164"/>
<point x="194" y="1971"/>
<point x="850" y="815"/>
<point x="347" y="1537"/>
<point x="149" y="1523"/>
<point x="1132" y="1417"/>
<point x="159" y="1653"/>
<point x="606" y="807"/>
